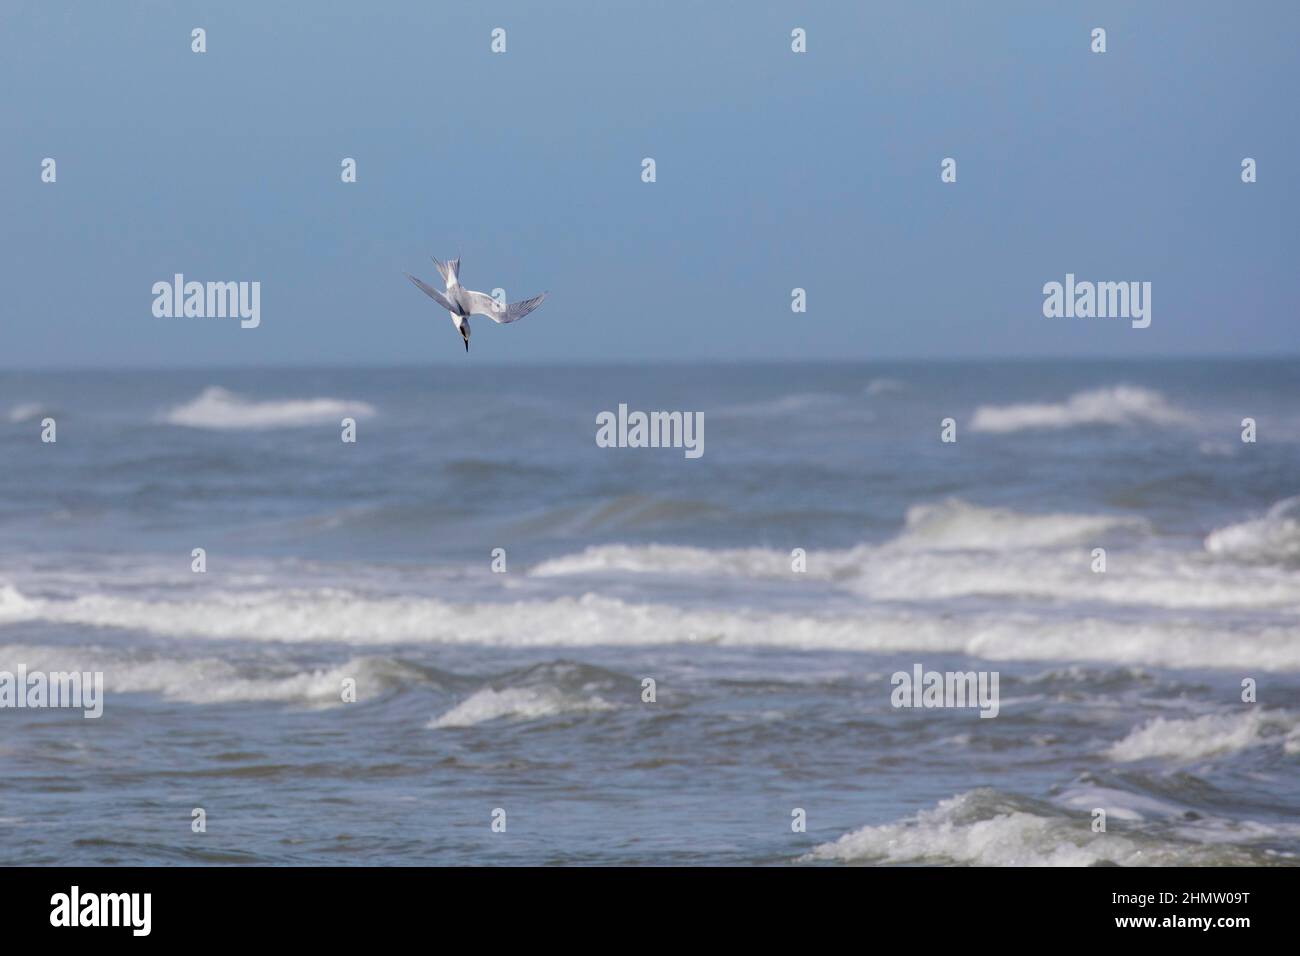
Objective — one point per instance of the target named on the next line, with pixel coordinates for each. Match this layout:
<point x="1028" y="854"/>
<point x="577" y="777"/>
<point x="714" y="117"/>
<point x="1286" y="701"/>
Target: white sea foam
<point x="517" y="703"/>
<point x="299" y="615"/>
<point x="1274" y="537"/>
<point x="207" y="680"/>
<point x="317" y="686"/>
<point x="953" y="549"/>
<point x="670" y="559"/>
<point x="977" y="828"/>
<point x="1146" y="578"/>
<point x="14" y="606"/>
<point x="1205" y="736"/>
<point x="1118" y="405"/>
<point x="950" y="525"/>
<point x="957" y="525"/>
<point x="220" y="409"/>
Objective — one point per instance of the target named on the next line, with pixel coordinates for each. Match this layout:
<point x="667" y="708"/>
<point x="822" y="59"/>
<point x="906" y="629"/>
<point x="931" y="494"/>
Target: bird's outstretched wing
<point x="483" y="304"/>
<point x="432" y="293"/>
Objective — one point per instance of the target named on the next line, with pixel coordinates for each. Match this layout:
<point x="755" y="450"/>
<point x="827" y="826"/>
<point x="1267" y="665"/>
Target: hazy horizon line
<point x="665" y="363"/>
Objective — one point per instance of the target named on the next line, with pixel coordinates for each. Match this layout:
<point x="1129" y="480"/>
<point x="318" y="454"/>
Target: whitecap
<point x="1205" y="736"/>
<point x="1115" y="406"/>
<point x="516" y="703"/>
<point x="981" y="828"/>
<point x="218" y="408"/>
<point x="1274" y="537"/>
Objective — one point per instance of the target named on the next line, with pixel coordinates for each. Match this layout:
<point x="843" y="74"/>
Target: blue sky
<point x="775" y="170"/>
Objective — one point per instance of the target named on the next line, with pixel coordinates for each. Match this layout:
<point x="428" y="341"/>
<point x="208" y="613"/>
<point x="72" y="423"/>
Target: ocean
<point x="499" y="591"/>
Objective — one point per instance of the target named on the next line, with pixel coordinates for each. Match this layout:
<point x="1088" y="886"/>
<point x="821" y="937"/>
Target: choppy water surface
<point x="523" y="690"/>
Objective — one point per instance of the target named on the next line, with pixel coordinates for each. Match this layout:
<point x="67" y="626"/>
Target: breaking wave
<point x="1274" y="537"/>
<point x="516" y="703"/>
<point x="986" y="828"/>
<point x="1207" y="736"/>
<point x="210" y="680"/>
<point x="342" y="616"/>
<point x="956" y="525"/>
<point x="953" y="549"/>
<point x="218" y="408"/>
<point x="1115" y="406"/>
<point x="950" y="525"/>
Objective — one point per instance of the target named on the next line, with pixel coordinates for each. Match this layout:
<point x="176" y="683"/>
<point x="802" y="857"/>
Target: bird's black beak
<point x="467" y="345"/>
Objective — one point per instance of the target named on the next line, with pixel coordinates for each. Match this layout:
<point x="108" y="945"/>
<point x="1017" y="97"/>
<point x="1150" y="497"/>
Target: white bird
<point x="462" y="302"/>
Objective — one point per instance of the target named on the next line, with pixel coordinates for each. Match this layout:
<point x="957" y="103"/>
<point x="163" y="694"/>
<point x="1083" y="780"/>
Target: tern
<point x="462" y="302"/>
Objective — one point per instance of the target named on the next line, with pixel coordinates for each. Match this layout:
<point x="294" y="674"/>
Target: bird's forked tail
<point x="450" y="270"/>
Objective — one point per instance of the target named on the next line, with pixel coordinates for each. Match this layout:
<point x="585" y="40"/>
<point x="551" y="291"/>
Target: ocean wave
<point x="1119" y="804"/>
<point x="671" y="559"/>
<point x="336" y="615"/>
<point x="517" y="703"/>
<point x="217" y="408"/>
<point x="1210" y="735"/>
<point x="957" y="525"/>
<point x="551" y="689"/>
<point x="210" y="680"/>
<point x="14" y="605"/>
<point x="954" y="549"/>
<point x="1274" y="537"/>
<point x="985" y="828"/>
<point x="950" y="525"/>
<point x="1116" y="406"/>
<point x="1147" y="578"/>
